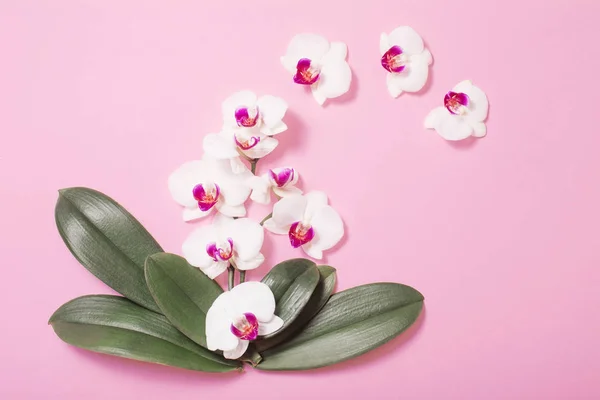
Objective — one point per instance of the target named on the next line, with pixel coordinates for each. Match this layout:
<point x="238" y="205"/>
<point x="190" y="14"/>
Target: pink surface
<point x="500" y="234"/>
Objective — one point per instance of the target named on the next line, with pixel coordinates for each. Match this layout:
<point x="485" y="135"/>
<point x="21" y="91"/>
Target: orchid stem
<point x="265" y="219"/>
<point x="253" y="166"/>
<point x="231" y="276"/>
<point x="242" y="276"/>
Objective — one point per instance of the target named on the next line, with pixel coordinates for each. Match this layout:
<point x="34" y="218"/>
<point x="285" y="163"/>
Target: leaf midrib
<point x="181" y="289"/>
<point x="143" y="333"/>
<point x="109" y="240"/>
<point x="297" y="343"/>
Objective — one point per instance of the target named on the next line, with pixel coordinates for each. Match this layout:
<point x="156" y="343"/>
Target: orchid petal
<point x="194" y="212"/>
<point x="238" y="351"/>
<point x="334" y="81"/>
<point x="266" y="145"/>
<point x="272" y="227"/>
<point x="433" y="120"/>
<point x="338" y="51"/>
<point x="412" y="79"/>
<point x="317" y="95"/>
<point x="194" y="246"/>
<point x="479" y="128"/>
<point x="248" y="237"/>
<point x="220" y="145"/>
<point x="255" y="298"/>
<point x="304" y="45"/>
<point x="478" y="102"/>
<point x="183" y="179"/>
<point x="272" y="110"/>
<point x="244" y="98"/>
<point x="237" y="165"/>
<point x="407" y="38"/>
<point x="231" y="211"/>
<point x="287" y="191"/>
<point x="218" y="325"/>
<point x="384" y="43"/>
<point x="454" y="127"/>
<point x="260" y="189"/>
<point x="312" y="251"/>
<point x="250" y="263"/>
<point x="271" y="326"/>
<point x="285" y="212"/>
<point x="328" y="226"/>
<point x="216" y="269"/>
<point x="315" y="200"/>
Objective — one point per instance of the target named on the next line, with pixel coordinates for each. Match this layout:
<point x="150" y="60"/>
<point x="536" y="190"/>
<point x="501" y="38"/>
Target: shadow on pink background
<point x="500" y="234"/>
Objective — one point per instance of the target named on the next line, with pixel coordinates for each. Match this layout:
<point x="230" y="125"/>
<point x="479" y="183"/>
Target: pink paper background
<point x="500" y="234"/>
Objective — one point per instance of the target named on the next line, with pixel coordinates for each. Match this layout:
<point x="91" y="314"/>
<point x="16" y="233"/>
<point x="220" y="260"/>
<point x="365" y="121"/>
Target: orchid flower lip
<point x="247" y="144"/>
<point x="306" y="72"/>
<point x="456" y="103"/>
<point x="394" y="60"/>
<point x="220" y="253"/>
<point x="247" y="117"/>
<point x="206" y="195"/>
<point x="245" y="327"/>
<point x="282" y="178"/>
<point x="300" y="233"/>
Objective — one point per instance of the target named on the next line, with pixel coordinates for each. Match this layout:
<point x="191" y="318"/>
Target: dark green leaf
<point x="351" y="323"/>
<point x="106" y="240"/>
<point x="114" y="325"/>
<point x="327" y="279"/>
<point x="183" y="293"/>
<point x="292" y="283"/>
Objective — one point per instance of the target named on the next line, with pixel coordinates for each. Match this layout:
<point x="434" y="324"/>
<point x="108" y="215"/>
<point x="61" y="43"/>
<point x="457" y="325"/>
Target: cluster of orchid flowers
<point x="322" y="65"/>
<point x="222" y="181"/>
<point x="219" y="185"/>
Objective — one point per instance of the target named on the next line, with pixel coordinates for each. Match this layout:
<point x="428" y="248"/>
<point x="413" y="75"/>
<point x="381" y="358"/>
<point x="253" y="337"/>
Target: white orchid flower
<point x="231" y="144"/>
<point x="239" y="316"/>
<point x="206" y="185"/>
<point x="319" y="64"/>
<point x="245" y="110"/>
<point x="281" y="181"/>
<point x="465" y="108"/>
<point x="308" y="221"/>
<point x="213" y="247"/>
<point x="406" y="59"/>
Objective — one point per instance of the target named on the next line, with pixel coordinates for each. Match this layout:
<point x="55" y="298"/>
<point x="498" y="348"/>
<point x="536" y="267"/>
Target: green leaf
<point x="183" y="293"/>
<point x="322" y="293"/>
<point x="114" y="325"/>
<point x="106" y="240"/>
<point x="292" y="283"/>
<point x="351" y="323"/>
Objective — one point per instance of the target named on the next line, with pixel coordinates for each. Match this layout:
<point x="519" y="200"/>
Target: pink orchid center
<point x="394" y="60"/>
<point x="456" y="103"/>
<point x="306" y="72"/>
<point x="246" y="143"/>
<point x="245" y="327"/>
<point x="246" y="117"/>
<point x="282" y="177"/>
<point x="222" y="252"/>
<point x="300" y="233"/>
<point x="206" y="195"/>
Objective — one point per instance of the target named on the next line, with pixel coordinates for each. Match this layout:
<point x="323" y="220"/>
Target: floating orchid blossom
<point x="406" y="59"/>
<point x="281" y="181"/>
<point x="319" y="64"/>
<point x="232" y="144"/>
<point x="207" y="185"/>
<point x="462" y="115"/>
<point x="245" y="110"/>
<point x="239" y="316"/>
<point x="213" y="247"/>
<point x="308" y="221"/>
